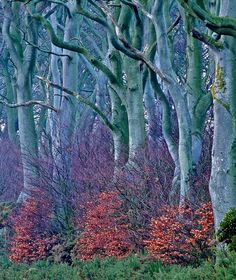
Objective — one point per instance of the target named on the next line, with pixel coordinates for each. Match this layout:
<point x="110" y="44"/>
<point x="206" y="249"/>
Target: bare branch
<point x="124" y="46"/>
<point x="65" y="45"/>
<point x="63" y="4"/>
<point x="137" y="54"/>
<point x="208" y="40"/>
<point x="44" y="51"/>
<point x="146" y="13"/>
<point x="29" y="103"/>
<point x="175" y="23"/>
<point x="220" y="25"/>
<point x="80" y="99"/>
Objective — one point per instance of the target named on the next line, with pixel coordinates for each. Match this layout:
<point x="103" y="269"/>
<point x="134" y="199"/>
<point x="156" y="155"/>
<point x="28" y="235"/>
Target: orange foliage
<point x="30" y="240"/>
<point x="181" y="235"/>
<point x="106" y="230"/>
<point x="203" y="228"/>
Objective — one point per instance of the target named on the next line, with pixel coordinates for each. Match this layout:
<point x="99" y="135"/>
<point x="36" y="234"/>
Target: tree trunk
<point x="10" y="94"/>
<point x="178" y="94"/>
<point x="27" y="133"/>
<point x="223" y="173"/>
<point x="153" y="115"/>
<point x="135" y="110"/>
<point x="121" y="132"/>
<point x="23" y="57"/>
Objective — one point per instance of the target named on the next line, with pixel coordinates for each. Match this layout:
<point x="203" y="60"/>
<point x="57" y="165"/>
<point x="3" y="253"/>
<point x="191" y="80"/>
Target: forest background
<point x="117" y="129"/>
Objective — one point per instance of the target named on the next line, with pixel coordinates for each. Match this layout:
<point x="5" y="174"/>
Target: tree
<point x="222" y="184"/>
<point x="24" y="58"/>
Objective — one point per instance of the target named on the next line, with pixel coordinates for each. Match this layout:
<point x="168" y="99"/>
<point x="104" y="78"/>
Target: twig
<point x="175" y="23"/>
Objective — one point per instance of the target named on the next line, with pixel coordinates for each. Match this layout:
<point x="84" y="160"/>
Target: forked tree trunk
<point x="24" y="58"/>
<point x="178" y="94"/>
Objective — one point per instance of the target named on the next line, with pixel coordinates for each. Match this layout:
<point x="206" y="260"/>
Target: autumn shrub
<point x="71" y="186"/>
<point x="202" y="228"/>
<point x="227" y="230"/>
<point x="106" y="231"/>
<point x="30" y="226"/>
<point x="181" y="235"/>
<point x="144" y="187"/>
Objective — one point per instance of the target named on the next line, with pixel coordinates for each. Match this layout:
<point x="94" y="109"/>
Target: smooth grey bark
<point x="114" y="81"/>
<point x="223" y="173"/>
<point x="53" y="120"/>
<point x="198" y="101"/>
<point x="194" y="82"/>
<point x="118" y="110"/>
<point x="27" y="133"/>
<point x="10" y="95"/>
<point x="42" y="128"/>
<point x="99" y="97"/>
<point x="121" y="131"/>
<point x="153" y="112"/>
<point x="165" y="108"/>
<point x="168" y="136"/>
<point x="68" y="108"/>
<point x="86" y="121"/>
<point x="133" y="82"/>
<point x="70" y="73"/>
<point x="135" y="110"/>
<point x="150" y="97"/>
<point x="178" y="94"/>
<point x="63" y="123"/>
<point x="24" y="61"/>
<point x="101" y="91"/>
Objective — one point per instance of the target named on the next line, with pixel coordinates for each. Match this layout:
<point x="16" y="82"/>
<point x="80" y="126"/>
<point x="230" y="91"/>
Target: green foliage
<point x="5" y="210"/>
<point x="110" y="269"/>
<point x="61" y="252"/>
<point x="227" y="229"/>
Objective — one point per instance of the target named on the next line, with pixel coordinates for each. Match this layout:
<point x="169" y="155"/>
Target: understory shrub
<point x="227" y="229"/>
<point x="30" y="224"/>
<point x="106" y="231"/>
<point x="61" y="252"/>
<point x="177" y="236"/>
<point x="181" y="235"/>
<point x="5" y="210"/>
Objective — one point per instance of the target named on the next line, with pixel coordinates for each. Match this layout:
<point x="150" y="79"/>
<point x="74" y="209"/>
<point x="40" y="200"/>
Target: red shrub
<point x="203" y="227"/>
<point x="106" y="230"/>
<point x="30" y="241"/>
<point x="181" y="235"/>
